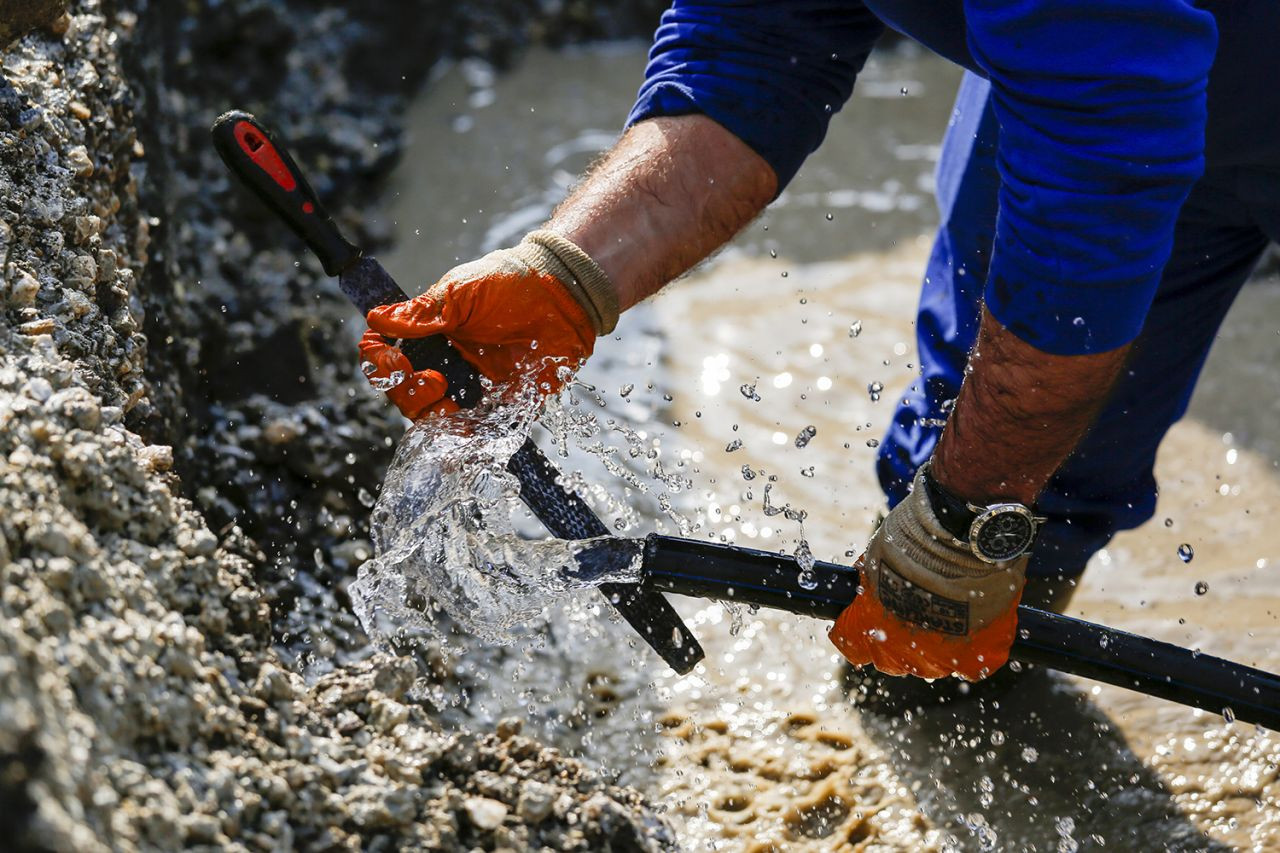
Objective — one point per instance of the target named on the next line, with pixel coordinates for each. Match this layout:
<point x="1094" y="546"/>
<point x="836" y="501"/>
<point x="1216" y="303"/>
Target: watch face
<point x="1003" y="532"/>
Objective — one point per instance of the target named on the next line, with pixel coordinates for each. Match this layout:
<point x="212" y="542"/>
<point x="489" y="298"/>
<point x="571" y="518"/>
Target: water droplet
<point x="1201" y="587"/>
<point x="736" y="444"/>
<point x="805" y="560"/>
<point x="997" y="738"/>
<point x="748" y="390"/>
<point x="1168" y="522"/>
<point x="747" y="473"/>
<point x="903" y="90"/>
<point x="386" y="383"/>
<point x="855" y="328"/>
<point x="533" y="344"/>
<point x="805" y="435"/>
<point x="1079" y="321"/>
<point x="874" y="389"/>
<point x="368" y="368"/>
<point x="830" y="217"/>
<point x="773" y="253"/>
<point x="873" y="442"/>
<point x="677" y="638"/>
<point x="1228" y="715"/>
<point x="806" y="472"/>
<point x="1186" y="552"/>
<point x="1030" y="754"/>
<point x="625" y="390"/>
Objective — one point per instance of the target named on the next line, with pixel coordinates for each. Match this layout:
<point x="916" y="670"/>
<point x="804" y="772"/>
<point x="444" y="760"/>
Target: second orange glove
<point x="926" y="605"/>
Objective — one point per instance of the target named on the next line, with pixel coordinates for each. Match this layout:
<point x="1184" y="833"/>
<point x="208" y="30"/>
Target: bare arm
<point x="1019" y="415"/>
<point x="673" y="190"/>
<point x="667" y="195"/>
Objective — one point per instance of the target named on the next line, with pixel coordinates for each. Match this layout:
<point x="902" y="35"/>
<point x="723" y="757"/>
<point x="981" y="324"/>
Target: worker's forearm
<point x="667" y="195"/>
<point x="1019" y="415"/>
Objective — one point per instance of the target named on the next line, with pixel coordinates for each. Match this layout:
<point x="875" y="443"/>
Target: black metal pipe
<point x="749" y="576"/>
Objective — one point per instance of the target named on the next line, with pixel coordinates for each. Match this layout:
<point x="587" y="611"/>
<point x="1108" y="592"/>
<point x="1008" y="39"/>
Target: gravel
<point x="186" y="457"/>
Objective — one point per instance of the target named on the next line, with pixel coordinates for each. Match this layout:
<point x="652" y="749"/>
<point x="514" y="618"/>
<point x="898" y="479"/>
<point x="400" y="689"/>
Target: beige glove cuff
<point x="915" y="546"/>
<point x="557" y="256"/>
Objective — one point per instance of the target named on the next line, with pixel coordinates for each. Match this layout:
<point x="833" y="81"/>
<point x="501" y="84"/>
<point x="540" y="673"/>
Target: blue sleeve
<point x="772" y="73"/>
<point x="1101" y="107"/>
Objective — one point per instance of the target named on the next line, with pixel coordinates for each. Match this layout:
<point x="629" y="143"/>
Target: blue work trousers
<point x="1108" y="484"/>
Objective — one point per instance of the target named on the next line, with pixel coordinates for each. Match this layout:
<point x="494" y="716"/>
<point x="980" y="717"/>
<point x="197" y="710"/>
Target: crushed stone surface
<point x="178" y="665"/>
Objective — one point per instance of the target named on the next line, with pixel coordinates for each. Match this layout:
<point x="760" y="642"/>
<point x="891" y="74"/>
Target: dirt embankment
<point x="186" y="457"/>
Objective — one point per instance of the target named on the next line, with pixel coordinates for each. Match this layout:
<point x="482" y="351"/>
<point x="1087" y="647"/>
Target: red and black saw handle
<point x="267" y="168"/>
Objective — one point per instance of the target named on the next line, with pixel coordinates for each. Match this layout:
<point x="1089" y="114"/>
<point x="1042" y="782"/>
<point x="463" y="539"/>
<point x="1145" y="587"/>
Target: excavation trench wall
<point x="186" y="455"/>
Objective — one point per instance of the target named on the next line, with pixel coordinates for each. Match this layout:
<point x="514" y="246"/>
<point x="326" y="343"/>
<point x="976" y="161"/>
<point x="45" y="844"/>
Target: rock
<point x="38" y="389"/>
<point x="273" y="684"/>
<point x="536" y="801"/>
<point x="43" y="326"/>
<point x="87" y="227"/>
<point x="79" y="161"/>
<point x="385" y="714"/>
<point x="19" y="17"/>
<point x="509" y="727"/>
<point x="396" y="678"/>
<point x="484" y="813"/>
<point x="24" y="290"/>
<point x="197" y="543"/>
<point x="155" y="457"/>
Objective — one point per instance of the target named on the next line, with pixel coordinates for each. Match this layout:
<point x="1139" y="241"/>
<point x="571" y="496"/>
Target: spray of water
<point x="444" y="538"/>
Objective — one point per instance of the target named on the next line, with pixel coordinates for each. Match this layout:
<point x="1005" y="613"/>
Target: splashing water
<point x="382" y="383"/>
<point x="443" y="535"/>
<point x="808" y="579"/>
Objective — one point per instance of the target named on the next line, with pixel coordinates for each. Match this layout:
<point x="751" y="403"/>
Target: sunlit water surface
<point x="762" y="383"/>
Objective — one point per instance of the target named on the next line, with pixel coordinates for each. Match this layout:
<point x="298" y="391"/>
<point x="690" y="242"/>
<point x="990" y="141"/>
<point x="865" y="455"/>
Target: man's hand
<point x="518" y="315"/>
<point x="927" y="606"/>
<point x="668" y="194"/>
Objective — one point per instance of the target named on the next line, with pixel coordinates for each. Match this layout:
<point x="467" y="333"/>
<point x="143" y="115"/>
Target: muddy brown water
<point x="759" y="749"/>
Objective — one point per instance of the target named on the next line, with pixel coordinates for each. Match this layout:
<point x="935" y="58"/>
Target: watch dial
<point x="1005" y="535"/>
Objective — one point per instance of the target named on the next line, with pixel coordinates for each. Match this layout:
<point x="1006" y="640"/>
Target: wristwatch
<point x="996" y="533"/>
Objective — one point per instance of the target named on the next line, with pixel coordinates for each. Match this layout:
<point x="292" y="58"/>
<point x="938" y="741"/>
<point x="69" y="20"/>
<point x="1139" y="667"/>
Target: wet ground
<point x="759" y="749"/>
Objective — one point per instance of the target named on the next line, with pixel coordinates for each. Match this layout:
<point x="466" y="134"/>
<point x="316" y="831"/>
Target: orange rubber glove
<point x="518" y="315"/>
<point x="926" y="605"/>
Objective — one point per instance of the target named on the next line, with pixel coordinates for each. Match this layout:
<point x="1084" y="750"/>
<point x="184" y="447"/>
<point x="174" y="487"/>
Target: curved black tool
<point x="730" y="573"/>
<point x="264" y="165"/>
